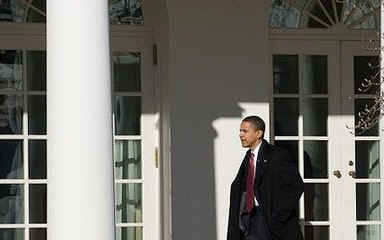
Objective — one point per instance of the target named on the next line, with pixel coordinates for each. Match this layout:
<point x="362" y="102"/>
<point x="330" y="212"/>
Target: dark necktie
<point x="249" y="184"/>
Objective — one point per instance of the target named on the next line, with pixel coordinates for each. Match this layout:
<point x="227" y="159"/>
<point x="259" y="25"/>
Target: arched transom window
<point x="351" y="14"/>
<point x="128" y="12"/>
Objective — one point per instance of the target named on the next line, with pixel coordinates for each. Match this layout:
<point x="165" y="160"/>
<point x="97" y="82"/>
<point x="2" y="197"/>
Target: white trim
<point x="366" y="223"/>
<point x="39" y="29"/>
<point x="127" y="181"/>
<point x="317" y="180"/>
<point x="37" y="181"/>
<point x="130" y="225"/>
<point x="12" y="137"/>
<point x="297" y="138"/>
<point x="126" y="137"/>
<point x="363" y="96"/>
<point x="368" y="138"/>
<point x="30" y="225"/>
<point x="322" y="34"/>
<point x="37" y="137"/>
<point x="367" y="180"/>
<point x="317" y="223"/>
<point x="13" y="181"/>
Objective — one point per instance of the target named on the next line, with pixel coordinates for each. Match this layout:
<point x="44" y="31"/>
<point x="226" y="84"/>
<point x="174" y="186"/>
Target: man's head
<point x="251" y="131"/>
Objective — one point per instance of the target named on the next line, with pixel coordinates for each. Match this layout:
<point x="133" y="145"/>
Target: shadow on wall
<point x="206" y="151"/>
<point x="216" y="62"/>
<point x="195" y="173"/>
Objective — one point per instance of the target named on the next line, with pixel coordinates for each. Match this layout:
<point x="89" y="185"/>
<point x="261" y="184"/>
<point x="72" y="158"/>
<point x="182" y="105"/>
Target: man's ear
<point x="259" y="133"/>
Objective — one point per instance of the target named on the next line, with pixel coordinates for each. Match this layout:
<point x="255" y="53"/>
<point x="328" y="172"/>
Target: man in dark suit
<point x="266" y="191"/>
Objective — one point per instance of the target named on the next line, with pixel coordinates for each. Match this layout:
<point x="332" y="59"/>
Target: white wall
<point x="218" y="73"/>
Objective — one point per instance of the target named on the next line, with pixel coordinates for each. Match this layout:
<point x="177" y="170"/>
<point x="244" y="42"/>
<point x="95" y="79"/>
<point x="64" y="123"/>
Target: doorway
<point x="315" y="103"/>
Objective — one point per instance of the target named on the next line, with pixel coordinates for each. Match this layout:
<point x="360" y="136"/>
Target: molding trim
<point x="322" y="34"/>
<point x="39" y="29"/>
<point x="22" y="29"/>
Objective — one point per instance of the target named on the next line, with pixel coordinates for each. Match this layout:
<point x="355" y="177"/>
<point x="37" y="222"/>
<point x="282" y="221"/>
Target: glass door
<point x="306" y="107"/>
<point x="135" y="140"/>
<point x="362" y="149"/>
<point x="316" y="103"/>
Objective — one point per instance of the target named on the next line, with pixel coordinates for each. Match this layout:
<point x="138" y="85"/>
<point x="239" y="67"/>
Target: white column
<point x="79" y="127"/>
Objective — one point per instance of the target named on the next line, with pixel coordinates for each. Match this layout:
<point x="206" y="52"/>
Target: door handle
<point x="352" y="174"/>
<point x="337" y="173"/>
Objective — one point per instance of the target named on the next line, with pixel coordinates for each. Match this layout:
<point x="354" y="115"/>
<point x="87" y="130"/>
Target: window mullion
<point x="25" y="147"/>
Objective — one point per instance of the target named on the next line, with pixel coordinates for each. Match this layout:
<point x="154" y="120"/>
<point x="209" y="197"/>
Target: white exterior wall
<point x="219" y="72"/>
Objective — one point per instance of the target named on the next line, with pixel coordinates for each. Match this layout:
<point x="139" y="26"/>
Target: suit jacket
<point x="278" y="186"/>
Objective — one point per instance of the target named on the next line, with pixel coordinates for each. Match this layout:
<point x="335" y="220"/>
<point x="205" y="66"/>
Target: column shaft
<point x="79" y="127"/>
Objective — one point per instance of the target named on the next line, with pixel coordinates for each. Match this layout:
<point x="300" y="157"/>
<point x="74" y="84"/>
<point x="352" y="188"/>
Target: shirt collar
<point x="256" y="150"/>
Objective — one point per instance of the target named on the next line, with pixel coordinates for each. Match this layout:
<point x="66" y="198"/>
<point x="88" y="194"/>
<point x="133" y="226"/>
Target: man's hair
<point x="257" y="122"/>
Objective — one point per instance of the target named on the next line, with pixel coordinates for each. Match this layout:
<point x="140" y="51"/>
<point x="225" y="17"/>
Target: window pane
<point x="371" y="232"/>
<point x="284" y="14"/>
<point x="286" y="114"/>
<point x="12" y="234"/>
<point x="286" y="73"/>
<point x="11" y="203"/>
<point x="33" y="15"/>
<point x="360" y="106"/>
<point x="315" y="159"/>
<point x="126" y="12"/>
<point x="127" y="115"/>
<point x="37" y="203"/>
<point x="37" y="114"/>
<point x="319" y="13"/>
<point x="129" y="233"/>
<point x="316" y="233"/>
<point x="12" y="11"/>
<point x="368" y="201"/>
<point x="362" y="12"/>
<point x="37" y="234"/>
<point x="37" y="151"/>
<point x="316" y="202"/>
<point x="36" y="70"/>
<point x="315" y="115"/>
<point x="365" y="67"/>
<point x="367" y="159"/>
<point x="315" y="79"/>
<point x="127" y="71"/>
<point x="11" y="69"/>
<point x="129" y="203"/>
<point x="128" y="159"/>
<point x="11" y="159"/>
<point x="11" y="114"/>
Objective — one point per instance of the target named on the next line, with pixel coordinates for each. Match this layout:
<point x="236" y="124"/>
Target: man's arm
<point x="288" y="187"/>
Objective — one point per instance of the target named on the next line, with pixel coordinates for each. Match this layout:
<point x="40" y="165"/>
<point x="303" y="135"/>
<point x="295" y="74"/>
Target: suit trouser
<point x="257" y="227"/>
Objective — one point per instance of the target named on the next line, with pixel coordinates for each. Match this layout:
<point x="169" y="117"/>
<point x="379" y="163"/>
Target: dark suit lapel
<point x="262" y="162"/>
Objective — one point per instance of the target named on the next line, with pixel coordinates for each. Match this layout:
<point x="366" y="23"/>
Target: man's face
<point x="249" y="136"/>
